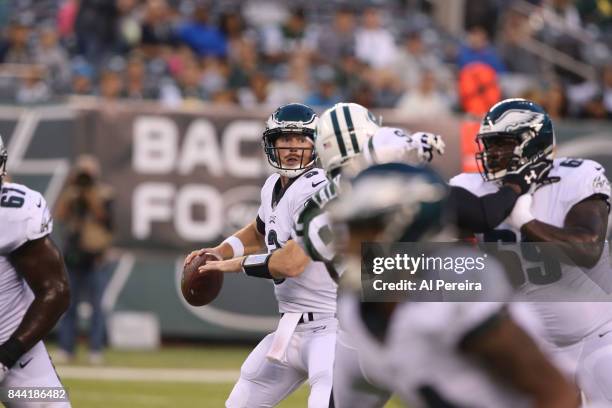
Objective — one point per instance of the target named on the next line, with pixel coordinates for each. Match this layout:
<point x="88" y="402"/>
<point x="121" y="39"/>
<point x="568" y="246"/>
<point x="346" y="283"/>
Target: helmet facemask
<point x="296" y="156"/>
<point x="503" y="152"/>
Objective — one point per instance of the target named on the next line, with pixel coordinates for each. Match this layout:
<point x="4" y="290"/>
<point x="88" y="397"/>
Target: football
<point x="200" y="289"/>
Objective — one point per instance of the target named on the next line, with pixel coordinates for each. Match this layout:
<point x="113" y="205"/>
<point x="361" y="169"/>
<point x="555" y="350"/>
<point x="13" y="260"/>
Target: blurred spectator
<point x="215" y="73"/>
<point x="515" y="30"/>
<point x="95" y="29"/>
<point x="32" y="88"/>
<point x="246" y="65"/>
<point x="388" y="89"/>
<point x="188" y="86"/>
<point x="111" y="84"/>
<point x="18" y="50"/>
<point x="481" y="13"/>
<point x="201" y="36"/>
<point x="363" y="95"/>
<point x="564" y="13"/>
<point x="338" y="39"/>
<point x="136" y="84"/>
<point x="326" y="94"/>
<point x="292" y="85"/>
<point x="293" y="36"/>
<point x="82" y="78"/>
<point x="413" y="59"/>
<point x="349" y="73"/>
<point x="66" y="18"/>
<point x="157" y="29"/>
<point x="599" y="104"/>
<point x="129" y="31"/>
<point x="424" y="101"/>
<point x="232" y="26"/>
<point x="84" y="210"/>
<point x="554" y="101"/>
<point x="51" y="55"/>
<point x="478" y="49"/>
<point x="257" y="92"/>
<point x="374" y="43"/>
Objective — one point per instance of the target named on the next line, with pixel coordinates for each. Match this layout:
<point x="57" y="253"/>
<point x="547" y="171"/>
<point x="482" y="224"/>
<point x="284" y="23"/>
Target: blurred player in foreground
<point x="302" y="348"/>
<point x="569" y="208"/>
<point x="34" y="289"/>
<point x="433" y="353"/>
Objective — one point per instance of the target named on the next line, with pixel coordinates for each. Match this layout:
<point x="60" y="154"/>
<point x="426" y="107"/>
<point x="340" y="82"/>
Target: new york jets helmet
<point x="3" y="159"/>
<point x="522" y="122"/>
<point x="342" y="131"/>
<point x="293" y="118"/>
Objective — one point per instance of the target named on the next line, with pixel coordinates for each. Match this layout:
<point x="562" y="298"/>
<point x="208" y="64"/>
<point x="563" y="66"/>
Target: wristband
<point x="257" y="266"/>
<point x="11" y="351"/>
<point x="236" y="244"/>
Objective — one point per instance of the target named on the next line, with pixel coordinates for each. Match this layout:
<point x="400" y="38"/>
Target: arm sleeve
<point x="480" y="214"/>
<point x="261" y="226"/>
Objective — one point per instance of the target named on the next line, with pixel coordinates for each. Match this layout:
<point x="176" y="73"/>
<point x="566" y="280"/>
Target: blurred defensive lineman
<point x="570" y="208"/>
<point x="303" y="345"/>
<point x="33" y="289"/>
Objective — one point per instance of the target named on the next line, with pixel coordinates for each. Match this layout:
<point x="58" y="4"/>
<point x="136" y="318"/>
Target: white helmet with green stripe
<point x="341" y="132"/>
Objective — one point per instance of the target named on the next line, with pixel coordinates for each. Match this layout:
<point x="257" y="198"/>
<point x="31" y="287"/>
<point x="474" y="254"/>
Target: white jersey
<point x="565" y="322"/>
<point x="24" y="217"/>
<point x="420" y="361"/>
<point x="313" y="290"/>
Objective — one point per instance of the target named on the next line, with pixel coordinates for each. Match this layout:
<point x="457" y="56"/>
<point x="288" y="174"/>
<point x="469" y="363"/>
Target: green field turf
<point x="141" y="394"/>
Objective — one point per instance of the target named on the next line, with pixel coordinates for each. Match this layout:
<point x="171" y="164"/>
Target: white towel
<point x="282" y="336"/>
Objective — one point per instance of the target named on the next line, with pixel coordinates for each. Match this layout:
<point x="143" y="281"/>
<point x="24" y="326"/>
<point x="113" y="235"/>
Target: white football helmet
<point x="342" y="131"/>
<point x="293" y="118"/>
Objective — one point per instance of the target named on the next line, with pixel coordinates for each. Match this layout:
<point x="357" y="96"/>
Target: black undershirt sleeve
<point x="261" y="226"/>
<point x="480" y="214"/>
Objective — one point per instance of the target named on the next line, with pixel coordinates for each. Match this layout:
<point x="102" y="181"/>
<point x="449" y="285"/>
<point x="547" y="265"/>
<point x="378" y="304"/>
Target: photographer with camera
<point x="84" y="210"/>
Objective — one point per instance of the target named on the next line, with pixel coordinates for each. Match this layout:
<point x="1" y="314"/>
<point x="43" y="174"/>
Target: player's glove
<point x="530" y="176"/>
<point x="4" y="370"/>
<point x="426" y="143"/>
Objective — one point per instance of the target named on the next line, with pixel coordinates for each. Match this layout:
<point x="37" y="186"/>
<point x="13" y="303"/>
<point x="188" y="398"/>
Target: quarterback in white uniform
<point x="433" y="354"/>
<point x="302" y="348"/>
<point x="33" y="291"/>
<point x="570" y="208"/>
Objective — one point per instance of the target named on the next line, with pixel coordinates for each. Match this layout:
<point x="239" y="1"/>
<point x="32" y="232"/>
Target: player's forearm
<point x="581" y="246"/>
<point x="288" y="262"/>
<point x="252" y="242"/>
<point x="43" y="314"/>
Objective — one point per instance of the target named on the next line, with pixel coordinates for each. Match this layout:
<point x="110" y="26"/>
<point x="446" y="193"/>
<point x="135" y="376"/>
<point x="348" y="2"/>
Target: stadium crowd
<point x="269" y="53"/>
